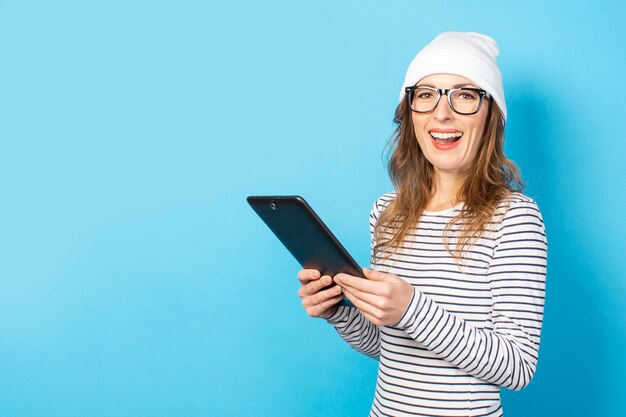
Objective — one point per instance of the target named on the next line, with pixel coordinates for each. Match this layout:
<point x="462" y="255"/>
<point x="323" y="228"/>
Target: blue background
<point x="136" y="281"/>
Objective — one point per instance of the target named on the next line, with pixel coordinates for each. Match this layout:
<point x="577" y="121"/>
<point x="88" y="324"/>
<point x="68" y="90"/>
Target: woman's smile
<point x="445" y="139"/>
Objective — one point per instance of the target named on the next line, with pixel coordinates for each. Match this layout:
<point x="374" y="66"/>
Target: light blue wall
<point x="136" y="281"/>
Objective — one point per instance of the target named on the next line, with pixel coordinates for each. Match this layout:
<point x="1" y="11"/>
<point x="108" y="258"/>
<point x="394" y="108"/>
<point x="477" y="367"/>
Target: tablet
<point x="305" y="236"/>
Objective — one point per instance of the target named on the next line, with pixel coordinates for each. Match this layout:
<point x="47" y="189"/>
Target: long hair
<point x="491" y="178"/>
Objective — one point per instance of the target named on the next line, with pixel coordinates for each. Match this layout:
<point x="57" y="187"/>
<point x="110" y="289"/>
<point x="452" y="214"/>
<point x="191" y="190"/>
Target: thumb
<point x="376" y="275"/>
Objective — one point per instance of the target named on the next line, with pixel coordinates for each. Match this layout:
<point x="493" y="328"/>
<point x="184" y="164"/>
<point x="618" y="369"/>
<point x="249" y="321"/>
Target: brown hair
<point x="489" y="181"/>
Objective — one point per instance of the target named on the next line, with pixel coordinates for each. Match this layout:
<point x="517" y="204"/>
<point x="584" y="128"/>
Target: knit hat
<point x="468" y="54"/>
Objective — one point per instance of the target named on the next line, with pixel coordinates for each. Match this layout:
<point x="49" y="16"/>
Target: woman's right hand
<point x="318" y="302"/>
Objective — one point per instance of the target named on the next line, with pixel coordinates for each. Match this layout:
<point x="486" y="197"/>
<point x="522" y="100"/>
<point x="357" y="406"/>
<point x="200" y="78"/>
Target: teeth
<point x="438" y="135"/>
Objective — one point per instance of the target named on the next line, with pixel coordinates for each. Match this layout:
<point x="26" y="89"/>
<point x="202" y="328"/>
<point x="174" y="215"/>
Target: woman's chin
<point x="448" y="165"/>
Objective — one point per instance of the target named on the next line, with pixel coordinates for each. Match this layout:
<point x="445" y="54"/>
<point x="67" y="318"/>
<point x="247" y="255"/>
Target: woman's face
<point x="456" y="157"/>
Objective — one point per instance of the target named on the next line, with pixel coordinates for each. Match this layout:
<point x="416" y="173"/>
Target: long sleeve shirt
<point x="468" y="329"/>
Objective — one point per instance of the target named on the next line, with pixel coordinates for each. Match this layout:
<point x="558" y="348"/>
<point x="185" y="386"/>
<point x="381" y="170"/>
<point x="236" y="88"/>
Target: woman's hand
<point x="382" y="298"/>
<point x="318" y="302"/>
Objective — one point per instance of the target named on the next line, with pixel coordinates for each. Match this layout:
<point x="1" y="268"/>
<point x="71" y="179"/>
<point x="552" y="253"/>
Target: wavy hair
<point x="491" y="178"/>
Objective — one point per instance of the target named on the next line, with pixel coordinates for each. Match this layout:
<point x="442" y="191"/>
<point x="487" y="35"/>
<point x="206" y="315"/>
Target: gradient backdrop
<point x="136" y="281"/>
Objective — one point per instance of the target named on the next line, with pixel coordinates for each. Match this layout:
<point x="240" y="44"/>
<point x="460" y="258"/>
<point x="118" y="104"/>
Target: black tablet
<point x="305" y="235"/>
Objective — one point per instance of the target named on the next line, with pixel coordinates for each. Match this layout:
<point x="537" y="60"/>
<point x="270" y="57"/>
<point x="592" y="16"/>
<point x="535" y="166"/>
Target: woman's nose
<point x="443" y="110"/>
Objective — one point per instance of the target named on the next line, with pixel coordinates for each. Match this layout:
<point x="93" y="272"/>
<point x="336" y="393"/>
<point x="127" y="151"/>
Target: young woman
<point x="453" y="304"/>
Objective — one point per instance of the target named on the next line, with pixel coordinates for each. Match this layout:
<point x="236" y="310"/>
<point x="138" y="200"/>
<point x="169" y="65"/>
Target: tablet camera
<point x="273" y="206"/>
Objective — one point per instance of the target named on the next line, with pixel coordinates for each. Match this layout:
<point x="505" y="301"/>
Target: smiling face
<point x="449" y="140"/>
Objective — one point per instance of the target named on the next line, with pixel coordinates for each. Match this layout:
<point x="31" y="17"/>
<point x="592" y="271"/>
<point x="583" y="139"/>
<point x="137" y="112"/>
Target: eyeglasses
<point x="465" y="101"/>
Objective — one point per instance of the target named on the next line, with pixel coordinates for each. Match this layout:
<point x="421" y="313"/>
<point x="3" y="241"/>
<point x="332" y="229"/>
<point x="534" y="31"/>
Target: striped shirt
<point x="469" y="329"/>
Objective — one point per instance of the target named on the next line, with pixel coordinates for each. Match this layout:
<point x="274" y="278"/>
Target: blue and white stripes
<point x="468" y="330"/>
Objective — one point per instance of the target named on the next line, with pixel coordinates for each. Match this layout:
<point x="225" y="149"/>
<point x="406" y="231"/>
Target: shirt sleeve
<point x="506" y="352"/>
<point x="352" y="326"/>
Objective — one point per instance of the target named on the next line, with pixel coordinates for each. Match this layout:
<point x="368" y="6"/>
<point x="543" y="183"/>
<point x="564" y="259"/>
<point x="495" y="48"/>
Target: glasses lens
<point x="465" y="101"/>
<point x="424" y="99"/>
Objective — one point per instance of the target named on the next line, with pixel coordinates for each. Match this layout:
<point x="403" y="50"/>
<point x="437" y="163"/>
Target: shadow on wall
<point x="572" y="354"/>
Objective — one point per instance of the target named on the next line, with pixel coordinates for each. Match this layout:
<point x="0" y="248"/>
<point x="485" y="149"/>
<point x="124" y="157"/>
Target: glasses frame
<point x="447" y="92"/>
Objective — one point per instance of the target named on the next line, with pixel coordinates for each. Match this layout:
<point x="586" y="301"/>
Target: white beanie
<point x="468" y="54"/>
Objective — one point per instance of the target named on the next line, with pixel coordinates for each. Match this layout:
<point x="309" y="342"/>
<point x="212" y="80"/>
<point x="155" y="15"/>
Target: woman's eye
<point x="425" y="96"/>
<point x="464" y="95"/>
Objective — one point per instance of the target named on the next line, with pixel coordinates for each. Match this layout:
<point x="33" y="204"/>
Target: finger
<point x="375" y="300"/>
<point x="317" y="285"/>
<point x="314" y="286"/>
<point x="357" y="283"/>
<point x="307" y="275"/>
<point x="371" y="318"/>
<point x="317" y="310"/>
<point x="375" y="275"/>
<point x="361" y="304"/>
<point x="321" y="296"/>
<point x="364" y="309"/>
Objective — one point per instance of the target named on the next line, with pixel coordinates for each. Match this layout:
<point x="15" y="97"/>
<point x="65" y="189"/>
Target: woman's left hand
<point x="382" y="298"/>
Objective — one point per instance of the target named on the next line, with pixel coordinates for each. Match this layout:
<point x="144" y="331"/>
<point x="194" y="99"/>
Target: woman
<point x="453" y="304"/>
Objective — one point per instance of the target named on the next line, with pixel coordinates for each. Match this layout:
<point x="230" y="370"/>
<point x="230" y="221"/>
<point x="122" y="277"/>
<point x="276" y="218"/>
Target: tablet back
<point x="304" y="234"/>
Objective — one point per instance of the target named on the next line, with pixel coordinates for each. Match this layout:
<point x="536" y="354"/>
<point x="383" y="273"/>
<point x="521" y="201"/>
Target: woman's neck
<point x="446" y="187"/>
